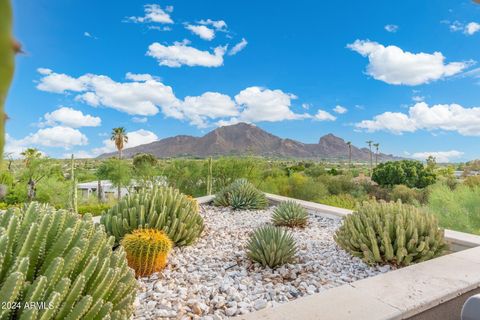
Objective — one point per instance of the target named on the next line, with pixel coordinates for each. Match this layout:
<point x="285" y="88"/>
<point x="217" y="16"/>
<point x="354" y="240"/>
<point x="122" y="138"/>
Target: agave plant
<point x="290" y="214"/>
<point x="271" y="246"/>
<point x="161" y="208"/>
<point x="391" y="232"/>
<point x="241" y="195"/>
<point x="54" y="258"/>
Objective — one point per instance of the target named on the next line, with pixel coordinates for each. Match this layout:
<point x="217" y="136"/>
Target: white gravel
<point x="213" y="279"/>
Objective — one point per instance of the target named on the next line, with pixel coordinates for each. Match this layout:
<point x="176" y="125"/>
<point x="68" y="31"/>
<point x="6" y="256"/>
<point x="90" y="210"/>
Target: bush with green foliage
<point x="391" y="232"/>
<point x="161" y="208"/>
<point x="345" y="201"/>
<point x="457" y="209"/>
<point x="411" y="173"/>
<point x="290" y="214"/>
<point x="406" y="194"/>
<point x="271" y="246"/>
<point x="95" y="209"/>
<point x="66" y="262"/>
<point x="241" y="195"/>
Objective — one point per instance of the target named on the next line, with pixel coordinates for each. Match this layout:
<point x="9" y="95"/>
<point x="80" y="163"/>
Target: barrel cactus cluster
<point x="290" y="214"/>
<point x="391" y="232"/>
<point x="63" y="265"/>
<point x="147" y="250"/>
<point x="161" y="208"/>
<point x="241" y="195"/>
<point x="271" y="246"/>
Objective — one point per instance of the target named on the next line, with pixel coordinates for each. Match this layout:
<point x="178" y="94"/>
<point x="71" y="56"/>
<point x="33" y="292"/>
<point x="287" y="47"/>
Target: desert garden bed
<point x="214" y="278"/>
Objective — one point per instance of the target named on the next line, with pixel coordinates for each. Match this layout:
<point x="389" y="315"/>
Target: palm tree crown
<point x="120" y="138"/>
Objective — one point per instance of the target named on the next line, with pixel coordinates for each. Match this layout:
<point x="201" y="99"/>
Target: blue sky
<point x="405" y="74"/>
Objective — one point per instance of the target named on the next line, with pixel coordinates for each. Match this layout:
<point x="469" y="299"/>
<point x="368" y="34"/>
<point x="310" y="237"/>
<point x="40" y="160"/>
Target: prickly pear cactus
<point x="8" y="48"/>
<point x="391" y="232"/>
<point x="54" y="265"/>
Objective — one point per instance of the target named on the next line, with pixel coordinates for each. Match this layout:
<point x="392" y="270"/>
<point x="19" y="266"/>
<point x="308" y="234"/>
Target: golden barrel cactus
<point x="147" y="250"/>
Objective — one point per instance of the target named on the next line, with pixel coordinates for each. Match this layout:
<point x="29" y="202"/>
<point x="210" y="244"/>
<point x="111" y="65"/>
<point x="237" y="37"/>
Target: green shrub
<point x="395" y="233"/>
<point x="457" y="209"/>
<point x="162" y="208"/>
<point x="290" y="214"/>
<point x="411" y="173"/>
<point x="405" y="194"/>
<point x="241" y="195"/>
<point x="54" y="257"/>
<point x="303" y="187"/>
<point x="345" y="201"/>
<point x="94" y="209"/>
<point x="271" y="246"/>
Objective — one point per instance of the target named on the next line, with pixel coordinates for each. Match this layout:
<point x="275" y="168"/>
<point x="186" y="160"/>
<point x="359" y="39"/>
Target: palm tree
<point x="120" y="138"/>
<point x="349" y="144"/>
<point x="370" y="142"/>
<point x="376" y="145"/>
<point x="30" y="154"/>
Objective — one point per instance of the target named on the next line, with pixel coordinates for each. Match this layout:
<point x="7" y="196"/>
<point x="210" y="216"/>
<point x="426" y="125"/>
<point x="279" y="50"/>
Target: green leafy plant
<point x="457" y="209"/>
<point x="161" y="208"/>
<point x="391" y="232"/>
<point x="290" y="214"/>
<point x="345" y="201"/>
<point x="65" y="262"/>
<point x="411" y="173"/>
<point x="271" y="246"/>
<point x="241" y="195"/>
<point x="147" y="250"/>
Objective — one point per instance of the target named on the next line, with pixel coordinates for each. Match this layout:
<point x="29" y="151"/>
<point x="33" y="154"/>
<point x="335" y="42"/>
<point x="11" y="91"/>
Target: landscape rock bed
<point x="214" y="279"/>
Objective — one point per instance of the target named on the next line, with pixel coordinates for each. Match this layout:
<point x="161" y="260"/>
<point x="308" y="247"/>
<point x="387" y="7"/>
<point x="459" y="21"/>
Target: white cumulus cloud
<point x="70" y="117"/>
<point x="58" y="136"/>
<point x="219" y="25"/>
<point x="471" y="28"/>
<point x="202" y="31"/>
<point x="391" y="28"/>
<point x="340" y="110"/>
<point x="421" y="116"/>
<point x="323" y="115"/>
<point x="210" y="105"/>
<point x="180" y="53"/>
<point x="238" y="47"/>
<point x="394" y="66"/>
<point x="261" y="104"/>
<point x="440" y="156"/>
<point x="154" y="13"/>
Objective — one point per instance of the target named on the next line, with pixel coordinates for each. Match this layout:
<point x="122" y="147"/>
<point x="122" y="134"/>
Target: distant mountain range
<point x="247" y="139"/>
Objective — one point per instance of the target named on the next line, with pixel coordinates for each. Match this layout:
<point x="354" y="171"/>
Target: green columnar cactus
<point x="161" y="208"/>
<point x="241" y="195"/>
<point x="147" y="250"/>
<point x="210" y="176"/>
<point x="395" y="233"/>
<point x="62" y="263"/>
<point x="290" y="214"/>
<point x="73" y="191"/>
<point x="7" y="65"/>
<point x="271" y="246"/>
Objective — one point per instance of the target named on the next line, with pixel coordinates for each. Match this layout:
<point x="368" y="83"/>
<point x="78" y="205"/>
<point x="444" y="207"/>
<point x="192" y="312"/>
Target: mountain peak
<point x="248" y="139"/>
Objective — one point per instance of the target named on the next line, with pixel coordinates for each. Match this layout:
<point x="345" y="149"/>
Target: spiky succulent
<point x="391" y="232"/>
<point x="290" y="214"/>
<point x="241" y="195"/>
<point x="64" y="263"/>
<point x="161" y="208"/>
<point x="271" y="246"/>
<point x="147" y="250"/>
